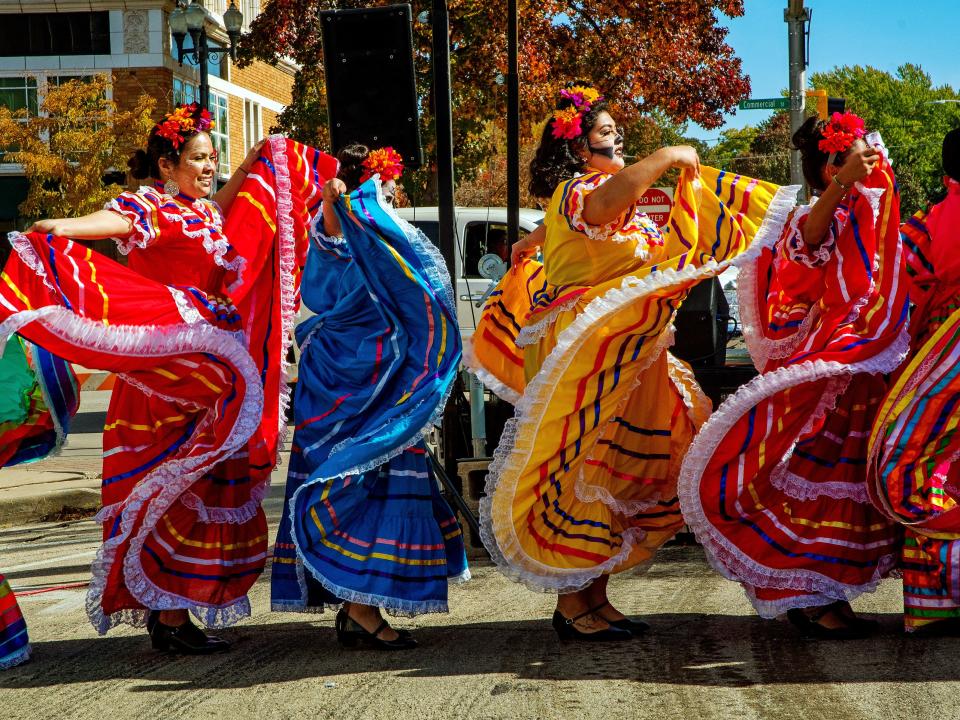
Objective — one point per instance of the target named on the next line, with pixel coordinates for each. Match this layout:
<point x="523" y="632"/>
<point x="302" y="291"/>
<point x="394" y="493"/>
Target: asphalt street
<point x="493" y="656"/>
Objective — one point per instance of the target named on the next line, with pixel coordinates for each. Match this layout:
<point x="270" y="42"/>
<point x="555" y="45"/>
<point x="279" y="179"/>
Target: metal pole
<point x="444" y="123"/>
<point x="797" y="16"/>
<point x="203" y="55"/>
<point x="513" y="127"/>
<point x="443" y="118"/>
<point x="478" y="419"/>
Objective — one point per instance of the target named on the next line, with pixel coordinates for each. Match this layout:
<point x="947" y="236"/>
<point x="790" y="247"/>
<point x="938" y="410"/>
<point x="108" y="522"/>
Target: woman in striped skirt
<point x="914" y="446"/>
<point x="774" y="485"/>
<point x="196" y="328"/>
<point x="364" y="526"/>
<point x="583" y="483"/>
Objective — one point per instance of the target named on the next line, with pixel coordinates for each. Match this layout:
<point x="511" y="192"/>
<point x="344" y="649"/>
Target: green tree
<point x="902" y="108"/>
<point x="69" y="149"/>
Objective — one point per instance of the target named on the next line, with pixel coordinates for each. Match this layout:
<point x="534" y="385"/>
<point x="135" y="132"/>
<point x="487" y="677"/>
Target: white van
<point x="479" y="231"/>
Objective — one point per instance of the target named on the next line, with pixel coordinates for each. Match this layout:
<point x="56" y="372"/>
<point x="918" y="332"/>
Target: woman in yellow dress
<point x="583" y="483"/>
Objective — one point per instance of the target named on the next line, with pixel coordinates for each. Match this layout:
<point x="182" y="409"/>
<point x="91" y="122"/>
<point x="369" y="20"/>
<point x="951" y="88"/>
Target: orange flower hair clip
<point x="385" y="162"/>
<point x="183" y="122"/>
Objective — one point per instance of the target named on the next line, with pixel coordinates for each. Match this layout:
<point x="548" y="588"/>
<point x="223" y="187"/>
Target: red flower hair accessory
<point x="183" y="122"/>
<point x="568" y="123"/>
<point x="841" y="132"/>
<point x="385" y="162"/>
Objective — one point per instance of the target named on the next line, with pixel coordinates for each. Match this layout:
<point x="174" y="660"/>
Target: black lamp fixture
<point x="191" y="19"/>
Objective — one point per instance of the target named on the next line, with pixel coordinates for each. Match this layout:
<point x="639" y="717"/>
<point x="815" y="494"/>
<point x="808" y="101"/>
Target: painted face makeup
<point x="606" y="139"/>
<point x="608" y="151"/>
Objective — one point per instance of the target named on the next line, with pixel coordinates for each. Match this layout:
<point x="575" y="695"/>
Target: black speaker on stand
<point x="371" y="89"/>
<point x="701" y="324"/>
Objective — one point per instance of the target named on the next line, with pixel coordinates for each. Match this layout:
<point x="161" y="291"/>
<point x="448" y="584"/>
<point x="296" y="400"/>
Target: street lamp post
<point x="191" y="19"/>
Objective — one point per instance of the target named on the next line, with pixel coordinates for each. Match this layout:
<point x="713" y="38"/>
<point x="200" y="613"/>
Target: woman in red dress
<point x="196" y="329"/>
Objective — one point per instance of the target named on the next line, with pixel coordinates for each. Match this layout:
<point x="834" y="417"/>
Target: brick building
<point x="44" y="42"/>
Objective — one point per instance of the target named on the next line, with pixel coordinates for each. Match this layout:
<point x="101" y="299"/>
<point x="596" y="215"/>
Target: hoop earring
<point x="171" y="188"/>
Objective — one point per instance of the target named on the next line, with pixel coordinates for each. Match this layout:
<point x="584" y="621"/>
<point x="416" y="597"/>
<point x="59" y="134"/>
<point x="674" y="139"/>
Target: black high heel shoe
<point x="350" y="633"/>
<point x="637" y="627"/>
<point x="808" y="623"/>
<point x="186" y="639"/>
<point x="567" y="632"/>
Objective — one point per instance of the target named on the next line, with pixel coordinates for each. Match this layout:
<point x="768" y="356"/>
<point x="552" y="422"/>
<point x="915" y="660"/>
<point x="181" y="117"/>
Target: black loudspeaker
<point x="701" y="324"/>
<point x="371" y="90"/>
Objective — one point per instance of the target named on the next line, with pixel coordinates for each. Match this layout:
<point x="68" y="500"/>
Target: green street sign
<point x="781" y="103"/>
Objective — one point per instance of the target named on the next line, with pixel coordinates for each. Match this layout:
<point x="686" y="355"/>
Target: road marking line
<point x="46" y="563"/>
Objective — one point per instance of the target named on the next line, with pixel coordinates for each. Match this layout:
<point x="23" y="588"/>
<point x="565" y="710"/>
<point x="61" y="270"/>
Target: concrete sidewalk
<point x="50" y="489"/>
<point x="67" y="484"/>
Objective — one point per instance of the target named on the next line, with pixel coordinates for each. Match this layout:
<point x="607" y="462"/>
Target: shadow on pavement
<point x="684" y="649"/>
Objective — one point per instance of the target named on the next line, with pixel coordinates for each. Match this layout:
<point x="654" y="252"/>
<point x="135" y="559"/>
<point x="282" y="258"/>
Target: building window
<point x="18" y="93"/>
<point x="184" y="92"/>
<point x="58" y="80"/>
<point x="250" y="10"/>
<point x="55" y="33"/>
<point x="221" y="131"/>
<point x="252" y="123"/>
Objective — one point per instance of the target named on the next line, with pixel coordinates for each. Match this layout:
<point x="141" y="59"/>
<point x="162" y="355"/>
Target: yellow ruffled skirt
<point x="584" y="479"/>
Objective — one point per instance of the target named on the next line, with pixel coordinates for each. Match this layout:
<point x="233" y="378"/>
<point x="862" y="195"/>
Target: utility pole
<point x="513" y="127"/>
<point x="797" y="18"/>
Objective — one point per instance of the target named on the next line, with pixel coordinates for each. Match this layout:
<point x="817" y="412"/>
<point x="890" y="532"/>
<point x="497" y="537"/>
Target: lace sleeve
<point x="575" y="195"/>
<point x="142" y="209"/>
<point x="800" y="252"/>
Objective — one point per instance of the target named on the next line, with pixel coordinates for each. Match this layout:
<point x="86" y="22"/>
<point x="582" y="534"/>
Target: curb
<point x="48" y="505"/>
<point x="87" y="380"/>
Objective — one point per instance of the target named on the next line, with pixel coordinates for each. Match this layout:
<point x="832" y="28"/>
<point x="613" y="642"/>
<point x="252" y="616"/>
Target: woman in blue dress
<point x="364" y="526"/>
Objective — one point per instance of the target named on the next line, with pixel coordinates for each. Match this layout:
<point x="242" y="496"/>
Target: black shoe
<point x="186" y="639"/>
<point x="566" y="630"/>
<point x="350" y="633"/>
<point x="637" y="627"/>
<point x="810" y="627"/>
<point x="948" y="627"/>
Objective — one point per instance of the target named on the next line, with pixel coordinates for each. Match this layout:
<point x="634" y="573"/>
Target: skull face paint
<point x="608" y="151"/>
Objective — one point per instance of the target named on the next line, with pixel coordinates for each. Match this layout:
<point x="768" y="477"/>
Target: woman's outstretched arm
<point x="610" y="200"/>
<point x="98" y="225"/>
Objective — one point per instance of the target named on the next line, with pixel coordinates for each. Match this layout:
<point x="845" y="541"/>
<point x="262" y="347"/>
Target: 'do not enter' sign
<point x="656" y="203"/>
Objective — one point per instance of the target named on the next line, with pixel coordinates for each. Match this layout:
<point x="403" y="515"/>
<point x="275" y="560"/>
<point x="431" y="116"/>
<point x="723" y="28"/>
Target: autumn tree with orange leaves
<point x="663" y="56"/>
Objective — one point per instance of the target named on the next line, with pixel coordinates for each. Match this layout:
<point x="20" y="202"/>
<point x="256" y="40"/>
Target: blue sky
<point x="881" y="33"/>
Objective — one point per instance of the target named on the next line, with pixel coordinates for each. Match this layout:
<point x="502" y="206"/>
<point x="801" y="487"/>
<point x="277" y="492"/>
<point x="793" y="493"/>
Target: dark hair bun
<point x="812" y="159"/>
<point x="951" y="154"/>
<point x="351" y="159"/>
<point x="139" y="165"/>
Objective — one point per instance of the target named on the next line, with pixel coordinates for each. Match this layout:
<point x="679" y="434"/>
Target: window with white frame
<point x="184" y="92"/>
<point x="19" y="93"/>
<point x="250" y="10"/>
<point x="27" y="93"/>
<point x="221" y="130"/>
<point x="252" y="123"/>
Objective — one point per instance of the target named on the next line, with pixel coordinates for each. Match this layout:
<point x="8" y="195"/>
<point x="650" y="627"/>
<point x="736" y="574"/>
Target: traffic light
<point x="835" y="105"/>
<point x="820" y="97"/>
<point x="826" y="106"/>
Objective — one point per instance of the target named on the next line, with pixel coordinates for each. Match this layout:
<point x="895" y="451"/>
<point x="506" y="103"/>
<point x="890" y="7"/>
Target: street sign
<point x="656" y="203"/>
<point x="781" y="103"/>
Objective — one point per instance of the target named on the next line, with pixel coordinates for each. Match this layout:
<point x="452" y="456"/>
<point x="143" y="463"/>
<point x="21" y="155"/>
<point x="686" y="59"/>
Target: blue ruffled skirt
<point x="363" y="519"/>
